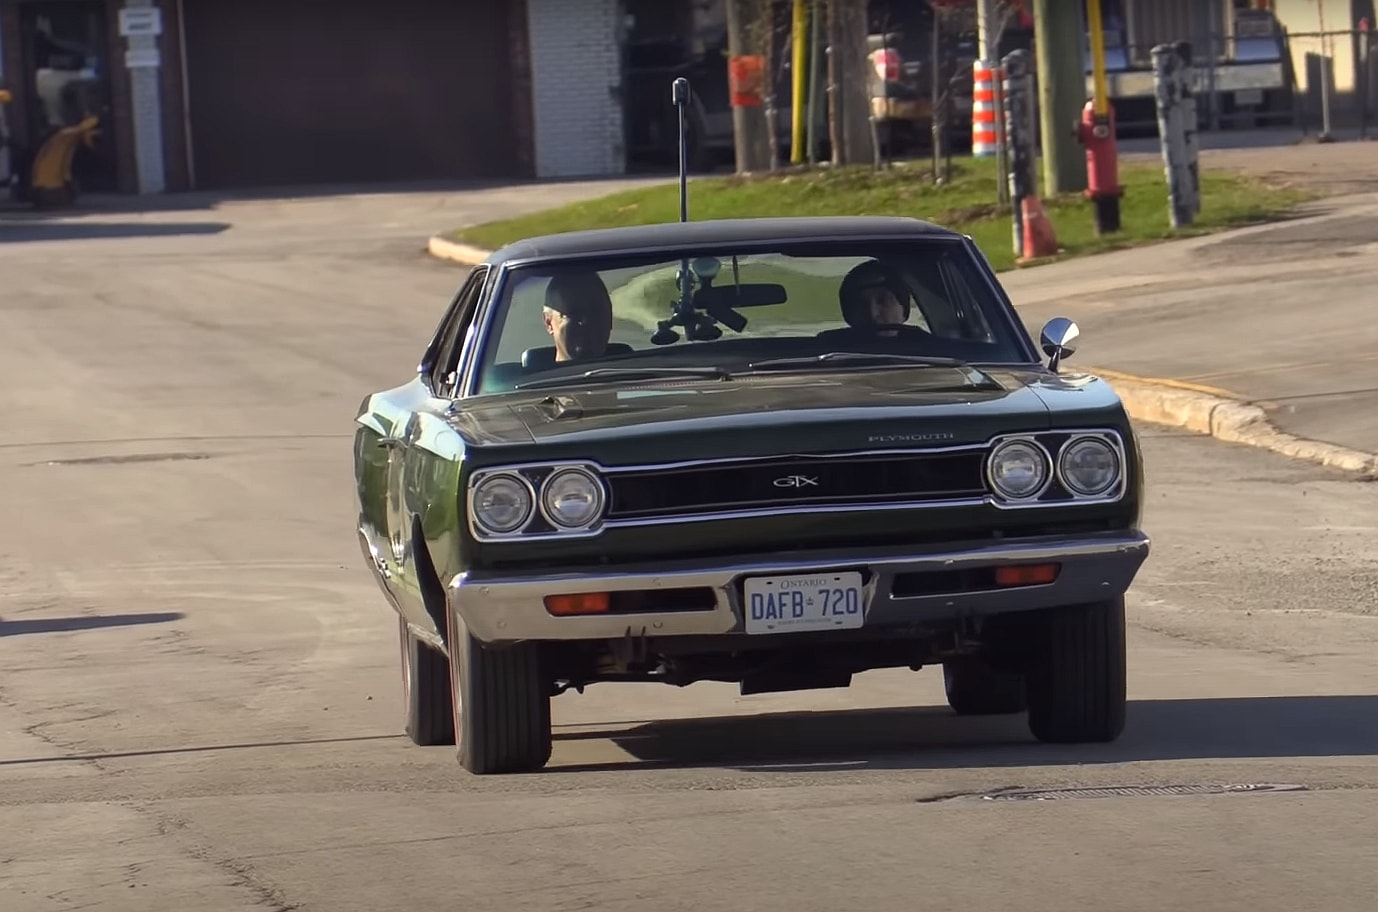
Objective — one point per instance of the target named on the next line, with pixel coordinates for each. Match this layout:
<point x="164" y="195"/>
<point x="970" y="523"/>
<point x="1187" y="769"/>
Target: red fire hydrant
<point x="1103" y="188"/>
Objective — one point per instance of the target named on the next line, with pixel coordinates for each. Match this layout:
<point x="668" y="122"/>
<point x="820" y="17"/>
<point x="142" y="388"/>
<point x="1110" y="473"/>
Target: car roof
<point x="715" y="232"/>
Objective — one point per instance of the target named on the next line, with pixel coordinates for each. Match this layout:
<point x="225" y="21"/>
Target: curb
<point x="455" y="252"/>
<point x="1230" y="420"/>
<point x="1172" y="403"/>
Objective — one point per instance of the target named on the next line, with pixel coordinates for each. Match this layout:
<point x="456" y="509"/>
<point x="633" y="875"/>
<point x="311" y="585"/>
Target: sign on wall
<point x="140" y="21"/>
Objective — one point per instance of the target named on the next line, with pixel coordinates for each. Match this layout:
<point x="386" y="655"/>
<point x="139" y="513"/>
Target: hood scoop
<point x="572" y="408"/>
<point x="560" y="408"/>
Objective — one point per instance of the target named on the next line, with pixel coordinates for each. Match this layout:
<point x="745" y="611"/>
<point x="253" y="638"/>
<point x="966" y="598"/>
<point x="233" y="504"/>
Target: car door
<point x="390" y="422"/>
<point x="412" y="460"/>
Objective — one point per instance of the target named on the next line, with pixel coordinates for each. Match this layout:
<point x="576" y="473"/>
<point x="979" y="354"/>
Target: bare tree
<point x="749" y="127"/>
<point x="761" y="31"/>
<point x="951" y="19"/>
<point x="849" y="120"/>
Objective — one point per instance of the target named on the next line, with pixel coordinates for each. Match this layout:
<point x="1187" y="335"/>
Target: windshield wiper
<point x="615" y="374"/>
<point x="975" y="376"/>
<point x="877" y="358"/>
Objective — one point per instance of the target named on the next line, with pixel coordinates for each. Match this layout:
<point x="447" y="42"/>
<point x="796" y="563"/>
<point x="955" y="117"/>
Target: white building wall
<point x="144" y="60"/>
<point x="1312" y="26"/>
<point x="576" y="77"/>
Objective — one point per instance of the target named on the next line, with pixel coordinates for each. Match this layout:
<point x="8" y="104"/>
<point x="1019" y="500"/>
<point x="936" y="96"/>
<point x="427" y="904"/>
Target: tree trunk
<point x="850" y="113"/>
<point x="748" y="121"/>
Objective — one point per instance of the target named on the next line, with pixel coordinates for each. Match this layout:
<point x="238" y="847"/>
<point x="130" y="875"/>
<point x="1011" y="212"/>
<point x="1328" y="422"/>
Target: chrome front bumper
<point x="1094" y="568"/>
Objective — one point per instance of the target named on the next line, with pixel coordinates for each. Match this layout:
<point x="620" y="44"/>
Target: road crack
<point x="240" y="874"/>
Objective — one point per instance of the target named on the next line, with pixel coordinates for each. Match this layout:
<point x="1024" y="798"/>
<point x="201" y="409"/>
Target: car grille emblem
<point x="796" y="481"/>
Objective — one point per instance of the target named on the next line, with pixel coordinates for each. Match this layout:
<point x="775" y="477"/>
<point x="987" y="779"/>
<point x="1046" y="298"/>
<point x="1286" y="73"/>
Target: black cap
<point x="576" y="292"/>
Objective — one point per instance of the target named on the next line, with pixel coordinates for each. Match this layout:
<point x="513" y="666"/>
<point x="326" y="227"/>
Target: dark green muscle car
<point x="775" y="452"/>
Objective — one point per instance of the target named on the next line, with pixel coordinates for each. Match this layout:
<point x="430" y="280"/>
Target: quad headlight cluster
<point x="1085" y="466"/>
<point x="559" y="499"/>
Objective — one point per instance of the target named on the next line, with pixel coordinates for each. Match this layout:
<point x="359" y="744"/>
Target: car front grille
<point x="795" y="482"/>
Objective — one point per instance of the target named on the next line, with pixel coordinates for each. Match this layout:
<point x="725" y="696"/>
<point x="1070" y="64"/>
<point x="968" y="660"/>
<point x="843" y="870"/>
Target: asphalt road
<point x="199" y="696"/>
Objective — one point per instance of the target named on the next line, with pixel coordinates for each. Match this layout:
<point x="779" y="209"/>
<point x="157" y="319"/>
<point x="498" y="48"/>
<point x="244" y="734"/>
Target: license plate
<point x="1248" y="97"/>
<point x="794" y="604"/>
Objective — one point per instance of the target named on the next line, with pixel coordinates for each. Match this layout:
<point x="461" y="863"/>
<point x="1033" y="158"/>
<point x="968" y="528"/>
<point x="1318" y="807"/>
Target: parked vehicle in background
<point x="1241" y="55"/>
<point x="653" y="63"/>
<point x="906" y="76"/>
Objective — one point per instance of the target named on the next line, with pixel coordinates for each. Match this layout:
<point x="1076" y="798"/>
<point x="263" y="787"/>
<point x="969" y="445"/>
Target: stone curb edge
<point x="1224" y="419"/>
<point x="1227" y="419"/>
<point x="455" y="252"/>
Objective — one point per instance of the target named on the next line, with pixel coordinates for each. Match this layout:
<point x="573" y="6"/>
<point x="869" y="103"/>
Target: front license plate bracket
<point x="803" y="602"/>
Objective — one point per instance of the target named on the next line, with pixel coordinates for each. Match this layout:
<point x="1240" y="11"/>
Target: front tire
<point x="975" y="689"/>
<point x="1077" y="679"/>
<point x="426" y="691"/>
<point x="503" y="707"/>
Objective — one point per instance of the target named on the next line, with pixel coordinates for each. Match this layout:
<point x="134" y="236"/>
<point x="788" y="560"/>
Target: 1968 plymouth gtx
<point x="774" y="452"/>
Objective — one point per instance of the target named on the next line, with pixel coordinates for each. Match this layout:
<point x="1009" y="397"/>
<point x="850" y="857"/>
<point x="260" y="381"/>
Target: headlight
<point x="1018" y="469"/>
<point x="502" y="503"/>
<point x="572" y="499"/>
<point x="1089" y="466"/>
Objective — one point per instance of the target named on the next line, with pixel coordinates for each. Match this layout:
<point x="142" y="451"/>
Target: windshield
<point x="736" y="309"/>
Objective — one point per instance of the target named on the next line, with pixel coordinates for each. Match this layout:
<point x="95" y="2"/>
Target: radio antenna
<point x="680" y="96"/>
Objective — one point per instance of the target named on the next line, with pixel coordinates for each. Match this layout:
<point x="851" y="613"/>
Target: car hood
<point x="760" y="415"/>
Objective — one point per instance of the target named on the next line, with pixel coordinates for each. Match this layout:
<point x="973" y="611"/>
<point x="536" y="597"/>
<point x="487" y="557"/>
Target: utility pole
<point x="1058" y="35"/>
<point x="745" y="72"/>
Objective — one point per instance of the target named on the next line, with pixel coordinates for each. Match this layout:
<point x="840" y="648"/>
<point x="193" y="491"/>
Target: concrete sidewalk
<point x="1281" y="317"/>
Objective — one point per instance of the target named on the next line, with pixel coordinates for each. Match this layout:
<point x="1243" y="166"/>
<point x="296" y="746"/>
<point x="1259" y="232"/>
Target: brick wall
<point x="576" y="76"/>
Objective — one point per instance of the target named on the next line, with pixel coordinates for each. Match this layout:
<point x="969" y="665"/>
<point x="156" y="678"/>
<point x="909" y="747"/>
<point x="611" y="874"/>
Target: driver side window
<point x="444" y="367"/>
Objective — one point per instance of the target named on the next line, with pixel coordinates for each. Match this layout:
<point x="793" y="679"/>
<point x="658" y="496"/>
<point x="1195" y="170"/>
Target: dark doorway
<point x="296" y="92"/>
<point x="66" y="55"/>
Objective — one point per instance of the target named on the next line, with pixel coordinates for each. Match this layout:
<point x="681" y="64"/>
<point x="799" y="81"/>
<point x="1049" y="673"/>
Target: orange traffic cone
<point x="1040" y="240"/>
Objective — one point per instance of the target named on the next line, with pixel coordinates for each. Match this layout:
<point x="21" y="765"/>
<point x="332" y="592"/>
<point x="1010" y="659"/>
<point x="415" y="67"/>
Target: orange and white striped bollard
<point x="986" y="114"/>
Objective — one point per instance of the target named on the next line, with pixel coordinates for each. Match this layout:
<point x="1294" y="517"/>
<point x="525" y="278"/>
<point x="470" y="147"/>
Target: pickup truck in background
<point x="1247" y="66"/>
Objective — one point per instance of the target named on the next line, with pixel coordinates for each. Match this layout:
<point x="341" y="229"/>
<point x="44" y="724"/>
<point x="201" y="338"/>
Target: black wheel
<point x="976" y="689"/>
<point x="1077" y="676"/>
<point x="503" y="712"/>
<point x="426" y="691"/>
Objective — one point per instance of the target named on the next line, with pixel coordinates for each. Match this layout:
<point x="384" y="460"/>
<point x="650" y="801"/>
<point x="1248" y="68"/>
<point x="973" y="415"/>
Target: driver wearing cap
<point x="578" y="315"/>
<point x="875" y="303"/>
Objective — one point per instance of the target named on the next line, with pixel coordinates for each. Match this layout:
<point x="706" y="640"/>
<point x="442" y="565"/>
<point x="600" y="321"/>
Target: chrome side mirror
<point x="1059" y="340"/>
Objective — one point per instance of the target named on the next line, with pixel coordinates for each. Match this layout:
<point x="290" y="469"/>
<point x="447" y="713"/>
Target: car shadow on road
<point x="935" y="738"/>
<point x="34" y="232"/>
<point x="84" y="622"/>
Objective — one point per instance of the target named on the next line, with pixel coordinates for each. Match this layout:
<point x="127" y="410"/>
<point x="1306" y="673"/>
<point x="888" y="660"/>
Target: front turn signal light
<point x="578" y="604"/>
<point x="1026" y="575"/>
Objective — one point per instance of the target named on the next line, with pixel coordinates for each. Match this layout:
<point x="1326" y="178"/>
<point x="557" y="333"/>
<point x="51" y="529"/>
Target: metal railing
<point x="1321" y="104"/>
